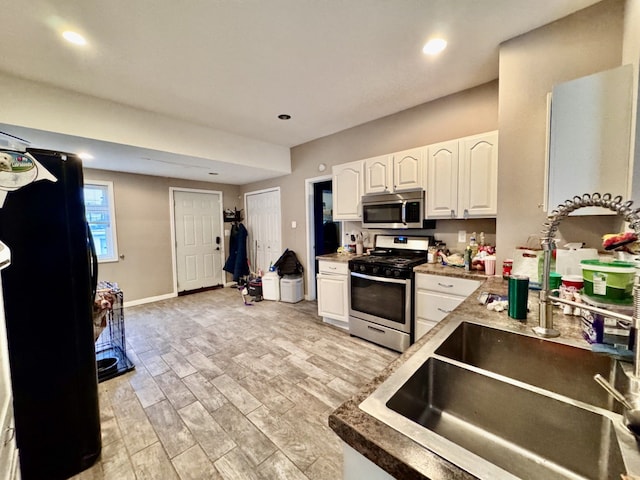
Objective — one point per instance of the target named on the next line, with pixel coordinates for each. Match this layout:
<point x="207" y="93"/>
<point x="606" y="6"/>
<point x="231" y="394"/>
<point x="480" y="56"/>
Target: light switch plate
<point x="462" y="236"/>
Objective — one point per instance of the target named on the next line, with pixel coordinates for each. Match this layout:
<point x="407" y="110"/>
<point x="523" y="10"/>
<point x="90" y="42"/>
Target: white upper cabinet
<point x="462" y="177"/>
<point x="394" y="173"/>
<point x="378" y="174"/>
<point x="589" y="137"/>
<point x="478" y="187"/>
<point x="442" y="180"/>
<point x="347" y="190"/>
<point x="407" y="169"/>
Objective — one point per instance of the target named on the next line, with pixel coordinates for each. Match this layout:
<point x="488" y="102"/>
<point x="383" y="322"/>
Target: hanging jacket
<point x="237" y="264"/>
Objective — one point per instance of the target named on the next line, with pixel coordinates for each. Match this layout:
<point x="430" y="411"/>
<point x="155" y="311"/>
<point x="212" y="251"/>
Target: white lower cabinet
<point x="436" y="296"/>
<point x="333" y="292"/>
<point x="358" y="467"/>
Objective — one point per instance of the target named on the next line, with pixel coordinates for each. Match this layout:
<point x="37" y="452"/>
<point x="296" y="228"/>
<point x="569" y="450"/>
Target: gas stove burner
<point x="393" y="256"/>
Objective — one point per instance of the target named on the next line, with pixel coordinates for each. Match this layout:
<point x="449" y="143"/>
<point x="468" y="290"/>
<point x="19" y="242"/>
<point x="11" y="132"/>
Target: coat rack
<point x="234" y="215"/>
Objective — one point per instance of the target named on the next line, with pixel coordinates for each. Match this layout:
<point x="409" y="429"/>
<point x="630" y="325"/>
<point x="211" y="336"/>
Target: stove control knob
<point x="376" y="269"/>
<point x="396" y="273"/>
<point x="363" y="268"/>
<point x="387" y="273"/>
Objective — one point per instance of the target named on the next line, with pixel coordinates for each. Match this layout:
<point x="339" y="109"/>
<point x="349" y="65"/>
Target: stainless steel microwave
<point x="393" y="210"/>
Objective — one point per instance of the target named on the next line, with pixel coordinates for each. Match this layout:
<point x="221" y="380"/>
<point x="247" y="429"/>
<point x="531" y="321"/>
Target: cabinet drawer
<point x="341" y="268"/>
<point x="435" y="306"/>
<point x="449" y="285"/>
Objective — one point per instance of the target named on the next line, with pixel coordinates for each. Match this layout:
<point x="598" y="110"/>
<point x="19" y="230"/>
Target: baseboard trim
<point x="199" y="290"/>
<point x="142" y="301"/>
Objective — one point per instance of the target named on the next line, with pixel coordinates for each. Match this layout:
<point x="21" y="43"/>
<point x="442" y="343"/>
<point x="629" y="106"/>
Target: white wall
<point x="581" y="44"/>
<point x="36" y="105"/>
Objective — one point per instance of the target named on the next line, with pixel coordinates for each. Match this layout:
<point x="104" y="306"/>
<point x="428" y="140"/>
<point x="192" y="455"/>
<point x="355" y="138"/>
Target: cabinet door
<point x="347" y="191"/>
<point x="589" y="144"/>
<point x="442" y="180"/>
<point x="333" y="301"/>
<point x="478" y="187"/>
<point x="407" y="169"/>
<point x="378" y="173"/>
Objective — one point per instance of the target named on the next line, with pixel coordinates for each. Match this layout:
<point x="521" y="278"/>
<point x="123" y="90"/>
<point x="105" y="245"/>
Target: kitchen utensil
<point x="604" y="383"/>
<point x="631" y="413"/>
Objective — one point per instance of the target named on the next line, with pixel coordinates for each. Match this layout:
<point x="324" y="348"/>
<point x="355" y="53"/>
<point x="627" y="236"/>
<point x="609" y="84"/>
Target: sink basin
<point x="500" y="423"/>
<point x="501" y="404"/>
<point x="562" y="369"/>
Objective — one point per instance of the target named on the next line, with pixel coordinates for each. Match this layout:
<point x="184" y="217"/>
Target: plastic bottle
<point x="473" y="244"/>
<point x="467" y="258"/>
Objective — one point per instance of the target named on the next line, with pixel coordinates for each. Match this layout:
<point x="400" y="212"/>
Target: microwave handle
<point x="404" y="212"/>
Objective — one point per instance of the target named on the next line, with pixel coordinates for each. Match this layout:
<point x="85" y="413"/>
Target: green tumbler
<point x="554" y="280"/>
<point x="518" y="296"/>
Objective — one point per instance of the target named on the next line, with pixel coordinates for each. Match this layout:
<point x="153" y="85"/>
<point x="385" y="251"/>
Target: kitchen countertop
<point x="390" y="449"/>
<point x="459" y="272"/>
<point x="337" y="257"/>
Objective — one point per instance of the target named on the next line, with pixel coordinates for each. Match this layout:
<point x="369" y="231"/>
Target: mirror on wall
<point x="589" y="137"/>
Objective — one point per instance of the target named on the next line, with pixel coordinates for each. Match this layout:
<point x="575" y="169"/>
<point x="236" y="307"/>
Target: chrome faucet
<point x="545" y="328"/>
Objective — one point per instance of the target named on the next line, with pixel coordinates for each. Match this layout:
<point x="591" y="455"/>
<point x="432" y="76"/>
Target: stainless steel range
<point x="381" y="293"/>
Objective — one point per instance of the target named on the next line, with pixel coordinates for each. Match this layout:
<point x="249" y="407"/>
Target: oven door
<point x="385" y="301"/>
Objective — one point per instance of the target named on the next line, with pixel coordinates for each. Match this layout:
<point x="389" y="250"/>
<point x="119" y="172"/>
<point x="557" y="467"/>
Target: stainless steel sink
<point x="500" y="404"/>
<point x="500" y="422"/>
<point x="563" y="369"/>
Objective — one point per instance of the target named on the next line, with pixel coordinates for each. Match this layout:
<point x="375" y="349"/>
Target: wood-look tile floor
<point x="222" y="390"/>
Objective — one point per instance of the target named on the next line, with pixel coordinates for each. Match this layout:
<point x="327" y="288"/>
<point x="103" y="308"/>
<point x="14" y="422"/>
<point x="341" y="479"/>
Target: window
<point x="98" y="204"/>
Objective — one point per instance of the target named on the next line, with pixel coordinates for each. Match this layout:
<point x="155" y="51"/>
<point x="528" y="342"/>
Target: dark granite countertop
<point x="391" y="450"/>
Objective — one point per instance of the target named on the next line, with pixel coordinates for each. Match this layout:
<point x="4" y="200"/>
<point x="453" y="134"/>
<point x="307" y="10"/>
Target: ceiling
<point x="235" y="65"/>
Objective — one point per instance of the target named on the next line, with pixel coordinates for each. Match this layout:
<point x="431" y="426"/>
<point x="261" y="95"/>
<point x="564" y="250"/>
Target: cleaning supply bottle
<point x="467" y="258"/>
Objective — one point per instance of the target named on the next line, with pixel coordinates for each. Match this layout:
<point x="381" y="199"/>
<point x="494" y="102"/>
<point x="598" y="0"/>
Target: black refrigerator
<point x="49" y="290"/>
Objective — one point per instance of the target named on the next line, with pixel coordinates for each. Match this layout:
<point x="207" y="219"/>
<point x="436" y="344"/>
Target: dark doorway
<point x="326" y="231"/>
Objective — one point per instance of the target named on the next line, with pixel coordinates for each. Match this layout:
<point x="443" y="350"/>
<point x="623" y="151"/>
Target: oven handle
<point x="378" y="279"/>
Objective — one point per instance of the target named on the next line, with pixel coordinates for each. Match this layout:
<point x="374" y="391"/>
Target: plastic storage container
<point x="608" y="281"/>
<point x="291" y="288"/>
<point x="271" y="286"/>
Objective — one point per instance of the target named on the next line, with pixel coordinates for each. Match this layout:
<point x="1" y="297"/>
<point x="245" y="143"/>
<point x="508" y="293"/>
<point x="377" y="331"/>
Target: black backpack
<point x="288" y="264"/>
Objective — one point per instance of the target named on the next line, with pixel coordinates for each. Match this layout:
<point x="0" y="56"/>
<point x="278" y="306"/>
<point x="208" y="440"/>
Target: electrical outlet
<point x="462" y="236"/>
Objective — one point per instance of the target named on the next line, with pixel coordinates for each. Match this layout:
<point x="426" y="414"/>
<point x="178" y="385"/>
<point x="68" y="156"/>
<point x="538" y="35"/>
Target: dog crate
<point x="111" y="347"/>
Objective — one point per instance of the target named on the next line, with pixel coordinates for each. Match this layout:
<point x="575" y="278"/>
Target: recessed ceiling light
<point x="284" y="116"/>
<point x="434" y="46"/>
<point x="74" y="37"/>
<point x="85" y="156"/>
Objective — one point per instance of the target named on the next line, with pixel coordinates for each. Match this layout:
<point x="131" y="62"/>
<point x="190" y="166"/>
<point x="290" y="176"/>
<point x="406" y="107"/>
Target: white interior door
<point x="264" y="226"/>
<point x="199" y="242"/>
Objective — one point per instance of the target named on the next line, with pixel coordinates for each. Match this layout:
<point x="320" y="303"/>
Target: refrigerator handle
<point x="94" y="264"/>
